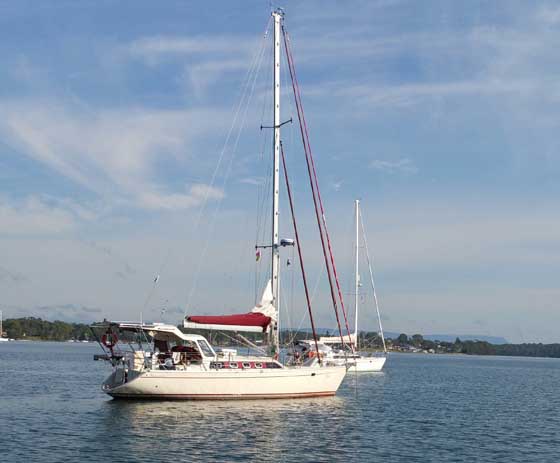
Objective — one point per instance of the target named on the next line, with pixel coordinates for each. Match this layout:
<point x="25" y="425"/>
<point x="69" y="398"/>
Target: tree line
<point x="474" y="347"/>
<point x="37" y="328"/>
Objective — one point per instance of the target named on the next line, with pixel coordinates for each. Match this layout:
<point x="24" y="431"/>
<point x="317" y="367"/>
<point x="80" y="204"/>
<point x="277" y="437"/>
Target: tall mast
<point x="277" y="15"/>
<point x="357" y="270"/>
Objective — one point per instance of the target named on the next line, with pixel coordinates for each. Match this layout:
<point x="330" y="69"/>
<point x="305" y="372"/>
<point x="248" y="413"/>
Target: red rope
<point x="288" y="189"/>
<point x="315" y="191"/>
<point x="319" y="196"/>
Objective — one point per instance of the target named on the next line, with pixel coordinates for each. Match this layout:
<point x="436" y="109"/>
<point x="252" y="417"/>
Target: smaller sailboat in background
<point x="356" y="361"/>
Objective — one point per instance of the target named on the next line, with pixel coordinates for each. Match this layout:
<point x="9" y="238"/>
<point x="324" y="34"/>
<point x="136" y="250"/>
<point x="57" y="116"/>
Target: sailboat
<point x="159" y="361"/>
<point x="356" y="361"/>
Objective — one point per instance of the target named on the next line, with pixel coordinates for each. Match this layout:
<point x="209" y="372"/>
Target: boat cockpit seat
<point x="167" y="364"/>
<point x="186" y="355"/>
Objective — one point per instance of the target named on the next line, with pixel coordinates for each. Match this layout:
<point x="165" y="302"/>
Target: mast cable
<point x="313" y="184"/>
<point x="289" y="191"/>
<point x="321" y="206"/>
<point x="370" y="266"/>
<point x="254" y="69"/>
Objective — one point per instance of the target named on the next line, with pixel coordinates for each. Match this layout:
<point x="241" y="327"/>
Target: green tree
<point x="402" y="339"/>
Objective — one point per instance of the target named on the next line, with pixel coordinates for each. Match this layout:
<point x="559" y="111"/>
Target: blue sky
<point x="440" y="116"/>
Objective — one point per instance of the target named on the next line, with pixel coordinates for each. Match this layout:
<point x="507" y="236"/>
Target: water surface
<point x="423" y="408"/>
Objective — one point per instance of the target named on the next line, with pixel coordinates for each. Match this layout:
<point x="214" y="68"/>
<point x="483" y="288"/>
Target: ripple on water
<point x="422" y="408"/>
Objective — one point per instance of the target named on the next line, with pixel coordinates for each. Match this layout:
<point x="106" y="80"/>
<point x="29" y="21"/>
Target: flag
<point x="258" y="255"/>
<point x="156" y="279"/>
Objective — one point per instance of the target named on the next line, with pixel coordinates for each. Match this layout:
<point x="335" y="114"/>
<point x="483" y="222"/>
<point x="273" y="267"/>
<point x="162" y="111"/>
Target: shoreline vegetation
<point x="36" y="329"/>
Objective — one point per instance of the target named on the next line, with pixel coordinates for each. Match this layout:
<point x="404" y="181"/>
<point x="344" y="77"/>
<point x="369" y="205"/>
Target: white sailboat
<point x="356" y="361"/>
<point x="185" y="366"/>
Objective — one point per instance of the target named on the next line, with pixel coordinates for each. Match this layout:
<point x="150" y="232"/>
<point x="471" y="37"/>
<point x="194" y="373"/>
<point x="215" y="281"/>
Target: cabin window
<point x="205" y="348"/>
<point x="161" y="345"/>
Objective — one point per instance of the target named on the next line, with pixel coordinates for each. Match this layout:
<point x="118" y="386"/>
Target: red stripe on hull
<point x="222" y="396"/>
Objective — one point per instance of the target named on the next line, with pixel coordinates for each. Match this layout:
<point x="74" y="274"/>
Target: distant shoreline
<point x="32" y="329"/>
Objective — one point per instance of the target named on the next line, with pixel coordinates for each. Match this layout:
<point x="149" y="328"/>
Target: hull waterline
<point x="227" y="385"/>
<point x="367" y="364"/>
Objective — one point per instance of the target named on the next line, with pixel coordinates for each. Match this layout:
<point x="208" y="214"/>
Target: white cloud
<point x="425" y="236"/>
<point x="549" y="14"/>
<point x="403" y="166"/>
<point x="113" y="150"/>
<point x="205" y="60"/>
<point x="33" y="216"/>
<point x="256" y="181"/>
<point x="202" y="75"/>
<point x="405" y="95"/>
<point x="508" y="61"/>
<point x="337" y="185"/>
<point x="157" y="46"/>
<point x="197" y="195"/>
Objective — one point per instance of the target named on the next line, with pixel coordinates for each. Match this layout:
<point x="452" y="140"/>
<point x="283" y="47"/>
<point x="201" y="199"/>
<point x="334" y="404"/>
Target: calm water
<point x="421" y="409"/>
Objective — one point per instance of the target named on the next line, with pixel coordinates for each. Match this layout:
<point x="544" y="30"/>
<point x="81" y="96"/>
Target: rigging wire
<point x="219" y="203"/>
<point x="314" y="186"/>
<point x="263" y="188"/>
<point x="202" y="208"/>
<point x="244" y="100"/>
<point x="370" y="266"/>
<point x="319" y="197"/>
<point x="298" y="245"/>
<point x="243" y="341"/>
<point x="292" y="295"/>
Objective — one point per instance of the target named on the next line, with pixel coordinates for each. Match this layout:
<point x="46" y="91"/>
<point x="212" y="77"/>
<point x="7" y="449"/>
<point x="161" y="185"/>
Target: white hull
<point x="4" y="339"/>
<point x="363" y="364"/>
<point x="228" y="384"/>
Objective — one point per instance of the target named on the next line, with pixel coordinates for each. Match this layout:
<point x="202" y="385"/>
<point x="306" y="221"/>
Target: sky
<point x="130" y="147"/>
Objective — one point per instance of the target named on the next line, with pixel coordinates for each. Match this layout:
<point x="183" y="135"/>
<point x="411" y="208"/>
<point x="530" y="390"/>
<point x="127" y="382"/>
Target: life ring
<point x="109" y="339"/>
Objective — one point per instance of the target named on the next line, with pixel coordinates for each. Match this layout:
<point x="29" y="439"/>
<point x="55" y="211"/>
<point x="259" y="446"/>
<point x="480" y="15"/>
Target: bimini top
<point x="257" y="320"/>
<point x="159" y="331"/>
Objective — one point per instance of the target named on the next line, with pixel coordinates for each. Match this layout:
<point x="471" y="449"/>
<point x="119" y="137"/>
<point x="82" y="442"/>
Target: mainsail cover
<point x="258" y="319"/>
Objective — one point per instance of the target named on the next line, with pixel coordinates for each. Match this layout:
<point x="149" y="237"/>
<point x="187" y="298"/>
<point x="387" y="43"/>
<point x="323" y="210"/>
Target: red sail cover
<point x="245" y="319"/>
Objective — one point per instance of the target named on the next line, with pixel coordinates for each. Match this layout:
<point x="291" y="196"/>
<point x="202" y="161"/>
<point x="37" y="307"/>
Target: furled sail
<point x="257" y="320"/>
<point x="265" y="307"/>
